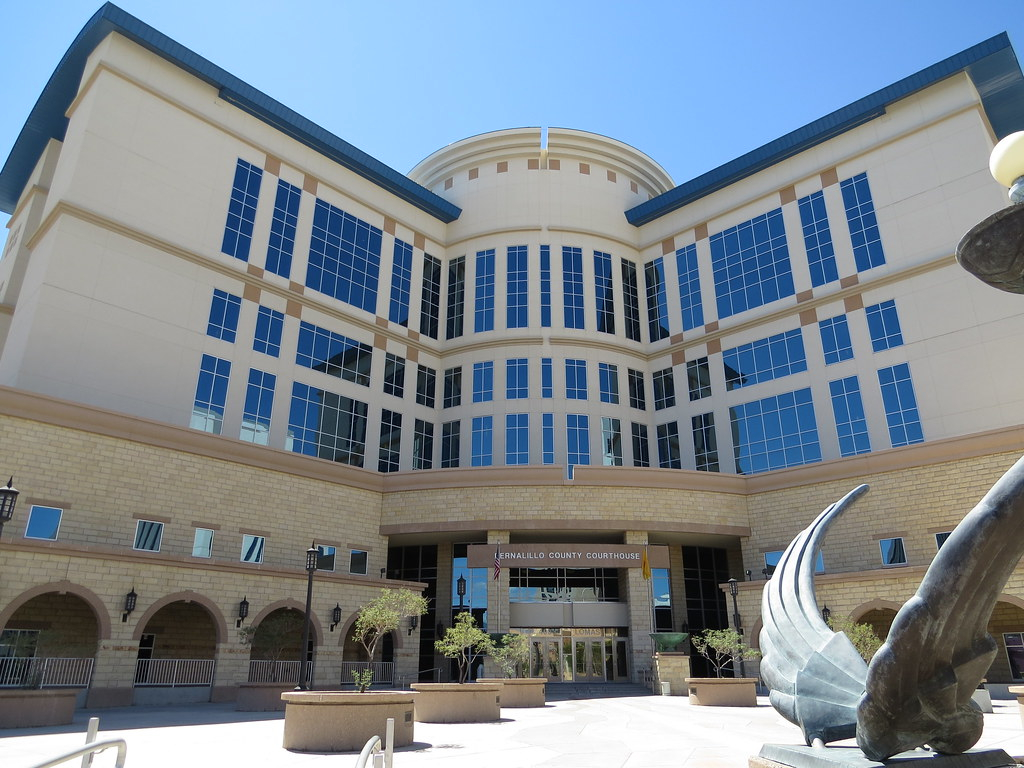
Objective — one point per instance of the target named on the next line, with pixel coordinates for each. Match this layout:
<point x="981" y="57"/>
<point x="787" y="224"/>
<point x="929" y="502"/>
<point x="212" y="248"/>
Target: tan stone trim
<point x="7" y="309"/>
<point x="381" y="321"/>
<point x="700" y="232"/>
<point x="380" y="341"/>
<point x="634" y="188"/>
<point x="34" y="502"/>
<point x="533" y="164"/>
<point x="473" y="477"/>
<point x="554" y="164"/>
<point x="255" y="271"/>
<point x="787" y="195"/>
<point x="678" y="357"/>
<point x="611" y="176"/>
<point x="208" y="526"/>
<point x="829" y="177"/>
<point x="419" y="241"/>
<point x="849" y="281"/>
<point x="90" y="598"/>
<point x="808" y="317"/>
<point x="152" y="518"/>
<point x="804" y="296"/>
<point x="585" y="169"/>
<point x="668" y="246"/>
<point x="503" y="166"/>
<point x="853" y="303"/>
<point x="252" y="293"/>
<point x="412" y="354"/>
<point x="20" y="404"/>
<point x="310" y="184"/>
<point x="449" y="183"/>
<point x="893" y="535"/>
<point x="293" y="309"/>
<point x="714" y="346"/>
<point x="272" y="165"/>
<point x="591" y="524"/>
<point x="474" y="173"/>
<point x="390" y="225"/>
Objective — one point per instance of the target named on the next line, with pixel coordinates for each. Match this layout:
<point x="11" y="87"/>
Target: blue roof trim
<point x="991" y="64"/>
<point x="47" y="119"/>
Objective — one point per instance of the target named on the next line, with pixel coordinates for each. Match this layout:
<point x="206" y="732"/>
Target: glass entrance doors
<point x="579" y="655"/>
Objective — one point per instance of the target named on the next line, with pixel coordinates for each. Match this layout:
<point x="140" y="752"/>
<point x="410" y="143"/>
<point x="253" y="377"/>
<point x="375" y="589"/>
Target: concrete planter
<point x="518" y="692"/>
<point x="30" y="708"/>
<point x="457" y="702"/>
<point x="262" y="697"/>
<point x="1018" y="692"/>
<point x="723" y="691"/>
<point x="343" y="721"/>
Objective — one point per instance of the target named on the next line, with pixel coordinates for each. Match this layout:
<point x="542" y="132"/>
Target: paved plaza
<point x="618" y="732"/>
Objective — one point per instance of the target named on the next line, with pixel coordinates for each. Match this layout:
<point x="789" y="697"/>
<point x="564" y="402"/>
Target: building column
<point x="638" y="593"/>
<point x="113" y="674"/>
<point x="232" y="659"/>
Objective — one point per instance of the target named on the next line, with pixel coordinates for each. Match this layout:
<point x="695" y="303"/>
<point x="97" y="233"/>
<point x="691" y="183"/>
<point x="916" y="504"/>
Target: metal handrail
<point x="371" y="747"/>
<point x="89" y="749"/>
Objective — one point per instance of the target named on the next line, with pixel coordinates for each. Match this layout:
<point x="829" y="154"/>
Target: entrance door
<point x="545" y="658"/>
<point x="588" y="659"/>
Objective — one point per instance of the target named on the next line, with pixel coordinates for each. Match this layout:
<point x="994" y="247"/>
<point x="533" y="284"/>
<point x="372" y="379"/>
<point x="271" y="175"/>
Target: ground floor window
<point x="1014" y="642"/>
<point x="578" y="654"/>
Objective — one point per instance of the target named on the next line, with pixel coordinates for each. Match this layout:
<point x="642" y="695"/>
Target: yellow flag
<point x="645" y="566"/>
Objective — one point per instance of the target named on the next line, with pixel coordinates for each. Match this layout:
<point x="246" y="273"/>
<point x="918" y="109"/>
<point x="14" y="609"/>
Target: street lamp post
<point x="8" y="498"/>
<point x="734" y="589"/>
<point x="311" y="555"/>
<point x="460" y="590"/>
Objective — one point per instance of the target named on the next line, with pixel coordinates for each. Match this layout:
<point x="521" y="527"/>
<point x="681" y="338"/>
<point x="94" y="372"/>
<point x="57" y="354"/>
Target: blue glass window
<point x="282" y="229"/>
<point x="456" y="297"/>
<point x="577" y="436"/>
<point x="608" y="377"/>
<point x="483" y="314"/>
<point x="821" y="256"/>
<point x="851" y="424"/>
<point x="326" y="425"/>
<point x="390" y="441"/>
<point x="750" y="264"/>
<point x="641" y="446"/>
<point x="259" y="403"/>
<point x="860" y="214"/>
<point x="483" y="438"/>
<point x="884" y="326"/>
<point x="545" y="286"/>
<point x="689" y="288"/>
<point x="603" y="292"/>
<point x="43" y="523"/>
<point x="657" y="302"/>
<point x="211" y="395"/>
<point x="705" y="443"/>
<point x="698" y="378"/>
<point x="764" y="359"/>
<point x="344" y="257"/>
<point x="517" y="438"/>
<point x="893" y="551"/>
<point x="422" y="445"/>
<point x="547" y="433"/>
<point x="576" y="379"/>
<point x="630" y="300"/>
<point x="269" y="326"/>
<point x="572" y="285"/>
<point x="517" y="378"/>
<point x="835" y="339"/>
<point x="775" y="432"/>
<point x="483" y="382"/>
<point x="637" y="395"/>
<point x="451" y="438"/>
<point x="333" y="354"/>
<point x="223" y="315"/>
<point x="394" y="375"/>
<point x="426" y="385"/>
<point x="900" y="405"/>
<point x="245" y="193"/>
<point x="611" y="442"/>
<point x="517" y="292"/>
<point x="401" y="283"/>
<point x="430" y="297"/>
<point x="452" y="387"/>
<point x="668" y="446"/>
<point x="664" y="389"/>
<point x="547" y="387"/>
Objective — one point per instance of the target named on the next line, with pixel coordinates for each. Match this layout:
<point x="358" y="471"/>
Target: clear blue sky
<point x="692" y="84"/>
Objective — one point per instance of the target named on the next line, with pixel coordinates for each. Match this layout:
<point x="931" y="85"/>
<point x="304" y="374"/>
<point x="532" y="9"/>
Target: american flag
<point x="497" y="563"/>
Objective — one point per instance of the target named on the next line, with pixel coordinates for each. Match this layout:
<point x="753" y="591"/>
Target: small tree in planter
<point x="721" y="646"/>
<point x="863" y="636"/>
<point x="379" y="617"/>
<point x="461" y="640"/>
<point x="511" y="654"/>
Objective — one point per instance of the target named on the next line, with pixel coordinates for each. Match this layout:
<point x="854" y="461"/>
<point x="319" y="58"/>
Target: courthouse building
<point x="226" y="333"/>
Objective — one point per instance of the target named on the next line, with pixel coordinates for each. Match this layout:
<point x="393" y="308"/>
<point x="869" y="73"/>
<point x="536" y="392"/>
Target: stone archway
<point x="1007" y="628"/>
<point x="178" y="641"/>
<point x="50" y="638"/>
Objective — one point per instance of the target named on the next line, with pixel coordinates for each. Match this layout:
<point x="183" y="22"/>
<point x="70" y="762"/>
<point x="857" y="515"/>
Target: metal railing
<point x="372" y="748"/>
<point x="90" y="749"/>
<point x="46" y="672"/>
<point x="383" y="671"/>
<point x="263" y="671"/>
<point x="174" y="672"/>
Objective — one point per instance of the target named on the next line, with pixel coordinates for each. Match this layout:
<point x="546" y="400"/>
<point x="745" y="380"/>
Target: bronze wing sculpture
<point x="917" y="689"/>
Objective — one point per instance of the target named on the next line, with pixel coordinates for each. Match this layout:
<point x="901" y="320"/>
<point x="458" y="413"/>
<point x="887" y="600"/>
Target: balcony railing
<point x="174" y="672"/>
<point x="47" y="672"/>
<point x="263" y="671"/>
<point x="383" y="671"/>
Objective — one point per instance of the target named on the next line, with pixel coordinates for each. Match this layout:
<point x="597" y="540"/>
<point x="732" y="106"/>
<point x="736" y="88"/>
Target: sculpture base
<point x="851" y="757"/>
